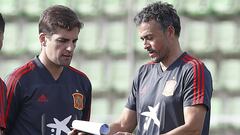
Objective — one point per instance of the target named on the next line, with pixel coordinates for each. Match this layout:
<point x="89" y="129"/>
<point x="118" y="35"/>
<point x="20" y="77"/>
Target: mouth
<point x="150" y="52"/>
<point x="67" y="56"/>
<point x="151" y="55"/>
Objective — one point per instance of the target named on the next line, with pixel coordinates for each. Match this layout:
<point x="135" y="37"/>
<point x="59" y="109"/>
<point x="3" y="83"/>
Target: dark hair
<point x="58" y="16"/>
<point x="163" y="13"/>
<point x="2" y="23"/>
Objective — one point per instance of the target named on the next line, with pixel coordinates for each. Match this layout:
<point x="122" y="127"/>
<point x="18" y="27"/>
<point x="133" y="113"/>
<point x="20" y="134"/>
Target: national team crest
<point x="169" y="88"/>
<point x="78" y="101"/>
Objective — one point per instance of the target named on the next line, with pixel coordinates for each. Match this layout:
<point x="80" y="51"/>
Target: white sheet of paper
<point x="91" y="127"/>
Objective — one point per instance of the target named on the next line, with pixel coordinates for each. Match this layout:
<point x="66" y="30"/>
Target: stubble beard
<point x="158" y="58"/>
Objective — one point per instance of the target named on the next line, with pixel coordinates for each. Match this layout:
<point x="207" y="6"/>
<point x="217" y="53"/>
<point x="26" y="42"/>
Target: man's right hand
<point x="73" y="132"/>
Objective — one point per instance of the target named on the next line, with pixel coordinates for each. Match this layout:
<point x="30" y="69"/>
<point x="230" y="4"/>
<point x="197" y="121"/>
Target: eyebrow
<point x="145" y="36"/>
<point x="62" y="38"/>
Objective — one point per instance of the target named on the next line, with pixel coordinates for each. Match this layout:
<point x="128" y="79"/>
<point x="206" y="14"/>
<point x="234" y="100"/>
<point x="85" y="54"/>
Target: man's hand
<point x="73" y="132"/>
<point x="76" y="132"/>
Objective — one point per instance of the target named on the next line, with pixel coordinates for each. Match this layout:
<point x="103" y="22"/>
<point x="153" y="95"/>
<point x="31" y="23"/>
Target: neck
<point x="172" y="56"/>
<point x="55" y="70"/>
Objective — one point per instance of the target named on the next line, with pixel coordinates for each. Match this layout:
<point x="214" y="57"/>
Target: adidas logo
<point x="42" y="99"/>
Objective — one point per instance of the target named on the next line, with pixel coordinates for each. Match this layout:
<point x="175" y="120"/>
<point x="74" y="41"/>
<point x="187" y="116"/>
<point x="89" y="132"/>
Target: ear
<point x="170" y="31"/>
<point x="42" y="39"/>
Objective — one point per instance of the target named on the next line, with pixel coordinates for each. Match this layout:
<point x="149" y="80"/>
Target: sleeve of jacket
<point x="88" y="102"/>
<point x="14" y="101"/>
<point x="2" y="104"/>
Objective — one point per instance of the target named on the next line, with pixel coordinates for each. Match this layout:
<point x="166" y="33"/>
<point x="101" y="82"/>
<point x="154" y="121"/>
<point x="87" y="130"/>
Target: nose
<point x="146" y="44"/>
<point x="70" y="47"/>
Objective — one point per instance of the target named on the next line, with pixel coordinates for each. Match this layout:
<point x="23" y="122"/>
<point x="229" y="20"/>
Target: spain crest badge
<point x="169" y="88"/>
<point x="78" y="101"/>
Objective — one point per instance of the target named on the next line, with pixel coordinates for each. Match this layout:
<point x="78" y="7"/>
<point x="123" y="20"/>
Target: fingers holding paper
<point x="76" y="132"/>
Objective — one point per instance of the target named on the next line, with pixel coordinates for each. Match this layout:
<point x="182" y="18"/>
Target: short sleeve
<point x="132" y="98"/>
<point x="198" y="86"/>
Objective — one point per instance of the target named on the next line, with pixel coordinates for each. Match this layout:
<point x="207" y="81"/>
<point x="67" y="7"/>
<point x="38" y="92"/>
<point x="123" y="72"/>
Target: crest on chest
<point x="169" y="87"/>
<point x="78" y="101"/>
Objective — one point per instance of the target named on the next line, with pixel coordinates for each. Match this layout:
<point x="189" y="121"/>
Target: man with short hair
<point x="46" y="94"/>
<point x="170" y="95"/>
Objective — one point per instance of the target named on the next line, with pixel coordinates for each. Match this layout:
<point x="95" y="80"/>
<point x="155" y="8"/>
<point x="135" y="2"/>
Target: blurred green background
<point x="109" y="50"/>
